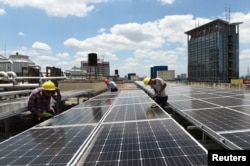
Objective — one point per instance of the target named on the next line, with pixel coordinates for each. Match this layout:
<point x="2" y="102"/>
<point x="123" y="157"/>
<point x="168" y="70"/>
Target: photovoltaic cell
<point x="97" y="103"/>
<point x="134" y="112"/>
<point x="145" y="143"/>
<point x="243" y="109"/>
<point x="110" y="129"/>
<point x="221" y="119"/>
<point x="228" y="101"/>
<point x="222" y="113"/>
<point x="79" y="115"/>
<point x="240" y="139"/>
<point x="191" y="104"/>
<point x="178" y="97"/>
<point x="133" y="100"/>
<point x="46" y="146"/>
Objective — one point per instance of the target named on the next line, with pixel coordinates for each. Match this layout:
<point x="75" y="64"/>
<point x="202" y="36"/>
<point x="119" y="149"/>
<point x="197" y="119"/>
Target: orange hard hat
<point x="106" y="81"/>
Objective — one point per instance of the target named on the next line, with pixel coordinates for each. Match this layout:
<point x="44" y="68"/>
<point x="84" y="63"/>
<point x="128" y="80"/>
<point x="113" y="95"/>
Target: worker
<point x="111" y="85"/>
<point x="39" y="102"/>
<point x="159" y="85"/>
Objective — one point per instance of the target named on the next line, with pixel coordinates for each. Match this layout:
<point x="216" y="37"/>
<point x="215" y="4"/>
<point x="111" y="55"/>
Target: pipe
<point x="11" y="73"/>
<point x="14" y="77"/>
<point x="19" y="85"/>
<point x="5" y="75"/>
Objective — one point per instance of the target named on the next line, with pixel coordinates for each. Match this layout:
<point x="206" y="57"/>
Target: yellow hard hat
<point x="146" y="80"/>
<point x="49" y="85"/>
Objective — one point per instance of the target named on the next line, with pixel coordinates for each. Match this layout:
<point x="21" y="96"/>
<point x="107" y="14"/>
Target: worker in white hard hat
<point x="111" y="85"/>
<point x="39" y="101"/>
<point x="159" y="86"/>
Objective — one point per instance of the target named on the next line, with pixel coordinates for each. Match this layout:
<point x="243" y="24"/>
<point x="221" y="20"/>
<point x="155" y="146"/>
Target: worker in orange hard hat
<point x="39" y="101"/>
<point x="111" y="85"/>
<point x="159" y="86"/>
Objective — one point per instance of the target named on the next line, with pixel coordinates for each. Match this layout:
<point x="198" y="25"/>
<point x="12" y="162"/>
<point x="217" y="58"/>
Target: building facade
<point x="15" y="63"/>
<point x="102" y="68"/>
<point x="155" y="69"/>
<point x="213" y="52"/>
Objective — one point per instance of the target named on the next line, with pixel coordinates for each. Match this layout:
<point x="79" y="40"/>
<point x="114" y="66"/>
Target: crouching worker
<point x="111" y="85"/>
<point x="39" y="102"/>
<point x="159" y="86"/>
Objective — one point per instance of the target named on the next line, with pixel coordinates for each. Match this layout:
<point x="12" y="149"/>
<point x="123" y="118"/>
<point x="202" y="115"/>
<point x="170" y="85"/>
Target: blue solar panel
<point x="45" y="146"/>
<point x="223" y="114"/>
<point x="110" y="129"/>
<point x="158" y="142"/>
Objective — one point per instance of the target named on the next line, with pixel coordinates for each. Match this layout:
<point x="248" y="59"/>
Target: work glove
<point x="46" y="114"/>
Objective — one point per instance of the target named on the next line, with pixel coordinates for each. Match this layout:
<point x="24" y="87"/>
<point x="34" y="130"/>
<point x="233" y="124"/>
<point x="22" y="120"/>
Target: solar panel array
<point x="118" y="128"/>
<point x="223" y="114"/>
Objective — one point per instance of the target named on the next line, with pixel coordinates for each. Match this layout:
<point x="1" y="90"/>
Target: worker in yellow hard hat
<point x="159" y="86"/>
<point x="39" y="101"/>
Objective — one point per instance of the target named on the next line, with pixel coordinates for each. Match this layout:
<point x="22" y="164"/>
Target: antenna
<point x="227" y="14"/>
<point x="248" y="72"/>
<point x="5" y="48"/>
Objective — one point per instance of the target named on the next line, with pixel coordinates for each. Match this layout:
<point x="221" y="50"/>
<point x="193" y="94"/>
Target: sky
<point x="132" y="35"/>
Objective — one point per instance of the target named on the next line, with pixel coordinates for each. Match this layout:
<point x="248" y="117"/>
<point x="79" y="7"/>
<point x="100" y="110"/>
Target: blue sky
<point x="131" y="34"/>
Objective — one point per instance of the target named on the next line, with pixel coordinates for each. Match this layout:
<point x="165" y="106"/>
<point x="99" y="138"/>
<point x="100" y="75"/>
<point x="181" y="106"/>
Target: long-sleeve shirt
<point x="38" y="102"/>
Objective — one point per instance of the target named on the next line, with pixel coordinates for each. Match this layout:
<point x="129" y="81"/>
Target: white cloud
<point x="167" y="1"/>
<point x="41" y="46"/>
<point x="244" y="27"/>
<point x="2" y="11"/>
<point x="58" y="8"/>
<point x="20" y="34"/>
<point x="63" y="55"/>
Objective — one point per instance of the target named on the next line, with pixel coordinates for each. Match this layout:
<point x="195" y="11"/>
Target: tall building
<point x="155" y="69"/>
<point x="213" y="52"/>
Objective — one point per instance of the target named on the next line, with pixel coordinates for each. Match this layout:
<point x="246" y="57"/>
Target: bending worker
<point x="39" y="102"/>
<point x="159" y="85"/>
<point x="111" y="85"/>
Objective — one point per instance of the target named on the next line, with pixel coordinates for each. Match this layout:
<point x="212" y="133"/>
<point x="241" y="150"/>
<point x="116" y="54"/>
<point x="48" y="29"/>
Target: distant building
<point x="130" y="75"/>
<point x="76" y="72"/>
<point x="167" y="75"/>
<point x="5" y="64"/>
<point x="16" y="63"/>
<point x="102" y="68"/>
<point x="213" y="52"/>
<point x="154" y="69"/>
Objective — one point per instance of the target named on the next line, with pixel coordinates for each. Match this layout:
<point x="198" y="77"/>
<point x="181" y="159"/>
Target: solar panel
<point x="228" y="101"/>
<point x="144" y="143"/>
<point x="223" y="114"/>
<point x="134" y="112"/>
<point x="243" y="109"/>
<point x="191" y="104"/>
<point x="44" y="146"/>
<point x="221" y="119"/>
<point x="79" y="115"/>
<point x="109" y="129"/>
<point x="240" y="138"/>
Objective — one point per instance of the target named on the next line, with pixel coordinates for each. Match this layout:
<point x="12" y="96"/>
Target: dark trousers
<point x="36" y="120"/>
<point x="162" y="101"/>
<point x="114" y="90"/>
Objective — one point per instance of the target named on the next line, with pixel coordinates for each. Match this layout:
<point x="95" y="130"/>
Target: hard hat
<point x="146" y="80"/>
<point x="49" y="85"/>
<point x="106" y="81"/>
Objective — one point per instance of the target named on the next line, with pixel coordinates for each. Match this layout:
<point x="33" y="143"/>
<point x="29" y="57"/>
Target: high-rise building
<point x="213" y="52"/>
